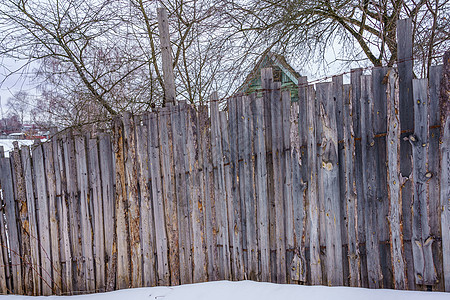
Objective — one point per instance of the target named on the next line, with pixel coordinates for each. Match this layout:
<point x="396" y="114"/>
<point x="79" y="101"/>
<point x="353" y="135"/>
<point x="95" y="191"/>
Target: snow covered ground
<point x="8" y="144"/>
<point x="250" y="290"/>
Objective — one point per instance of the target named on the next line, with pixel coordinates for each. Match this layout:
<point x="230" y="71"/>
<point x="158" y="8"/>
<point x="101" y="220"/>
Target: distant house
<point x="282" y="72"/>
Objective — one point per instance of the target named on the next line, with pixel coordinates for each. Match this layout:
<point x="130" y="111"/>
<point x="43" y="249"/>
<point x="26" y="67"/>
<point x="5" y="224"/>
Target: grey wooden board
<point x="369" y="184"/>
<point x="95" y="185"/>
<point x="405" y="70"/>
<point x="178" y="121"/>
<point x="123" y="279"/>
<point x="3" y="264"/>
<point x="313" y="209"/>
<point x="238" y="261"/>
<point x="158" y="204"/>
<point x="445" y="203"/>
<point x="194" y="196"/>
<point x="7" y="185"/>
<point x="234" y="263"/>
<point x="220" y="189"/>
<point x="351" y="215"/>
<point x="74" y="212"/>
<point x="146" y="208"/>
<point x="394" y="182"/>
<point x="85" y="212"/>
<point x="131" y="174"/>
<point x="355" y="78"/>
<point x="338" y="97"/>
<point x="22" y="218"/>
<point x="108" y="193"/>
<point x="5" y="251"/>
<point x="166" y="51"/>
<point x="424" y="270"/>
<point x="210" y="217"/>
<point x="433" y="168"/>
<point x="329" y="182"/>
<point x="53" y="216"/>
<point x="169" y="196"/>
<point x="266" y="82"/>
<point x="32" y="219"/>
<point x="43" y="220"/>
<point x="63" y="215"/>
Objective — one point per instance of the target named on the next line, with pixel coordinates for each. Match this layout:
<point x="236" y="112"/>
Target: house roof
<point x="271" y="59"/>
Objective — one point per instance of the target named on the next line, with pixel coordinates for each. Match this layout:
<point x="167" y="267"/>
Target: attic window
<point x="277" y="74"/>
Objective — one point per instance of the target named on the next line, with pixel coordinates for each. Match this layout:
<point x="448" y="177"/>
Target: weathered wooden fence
<point x="349" y="186"/>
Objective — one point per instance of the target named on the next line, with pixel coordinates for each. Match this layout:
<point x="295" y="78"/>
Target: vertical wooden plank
<point x="444" y="197"/>
<point x="146" y="207"/>
<point x="31" y="208"/>
<point x="63" y="214"/>
<point x="158" y="204"/>
<point x="23" y="224"/>
<point x="355" y="78"/>
<point x="425" y="272"/>
<point x="107" y="183"/>
<point x="406" y="102"/>
<point x="95" y="184"/>
<point x="287" y="185"/>
<point x="261" y="188"/>
<point x="167" y="142"/>
<point x="338" y="96"/>
<point x="277" y="148"/>
<point x="238" y="261"/>
<point x="43" y="219"/>
<point x="300" y="175"/>
<point x="3" y="263"/>
<point x="131" y="171"/>
<point x="382" y="207"/>
<point x="375" y="276"/>
<point x="229" y="192"/>
<point x="166" y="51"/>
<point x="350" y="191"/>
<point x="178" y="121"/>
<point x="313" y="212"/>
<point x="394" y="182"/>
<point x="122" y="236"/>
<point x="433" y="168"/>
<point x="74" y="210"/>
<point x="194" y="196"/>
<point x="266" y="82"/>
<point x="13" y="238"/>
<point x="220" y="188"/>
<point x="329" y="185"/>
<point x="85" y="212"/>
<point x="53" y="216"/>
<point x="210" y="209"/>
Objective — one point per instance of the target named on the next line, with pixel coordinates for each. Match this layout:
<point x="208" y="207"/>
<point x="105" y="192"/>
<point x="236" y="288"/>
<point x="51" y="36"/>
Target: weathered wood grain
<point x="178" y="121"/>
<point x="220" y="189"/>
<point x="123" y="279"/>
<point x="95" y="185"/>
<point x="445" y="203"/>
<point x="424" y="270"/>
<point x="43" y="220"/>
<point x="375" y="276"/>
<point x="63" y="215"/>
<point x="313" y="209"/>
<point x="53" y="216"/>
<point x="32" y="218"/>
<point x="131" y="174"/>
<point x="329" y="182"/>
<point x="406" y="102"/>
<point x="350" y="191"/>
<point x="85" y="212"/>
<point x="108" y="196"/>
<point x="158" y="202"/>
<point x="168" y="186"/>
<point x="166" y="51"/>
<point x="394" y="182"/>
<point x="23" y="224"/>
